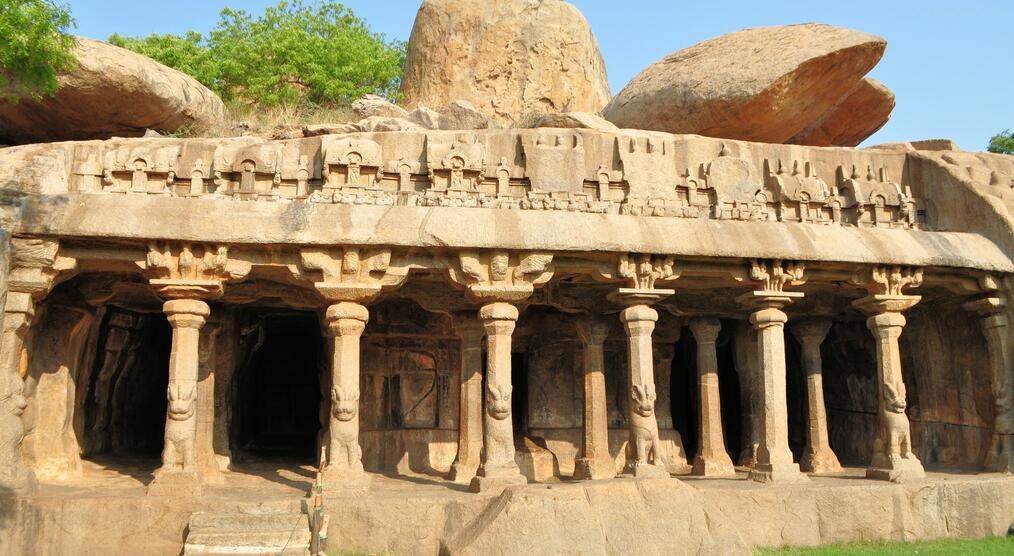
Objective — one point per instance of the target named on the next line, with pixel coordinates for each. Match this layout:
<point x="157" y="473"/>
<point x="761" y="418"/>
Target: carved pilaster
<point x="471" y="332"/>
<point x="641" y="272"/>
<point x="893" y="458"/>
<point x="346" y="322"/>
<point x="774" y="459"/>
<point x="179" y="474"/>
<point x="594" y="461"/>
<point x="712" y="459"/>
<point x="817" y="455"/>
<point x="28" y="269"/>
<point x="996" y="327"/>
<point x="498" y="468"/>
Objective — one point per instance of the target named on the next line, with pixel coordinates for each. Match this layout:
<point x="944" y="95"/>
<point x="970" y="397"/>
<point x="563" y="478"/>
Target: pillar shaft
<point x="817" y="456"/>
<point x="712" y="459"/>
<point x="498" y="467"/>
<point x="17" y="316"/>
<point x="179" y="472"/>
<point x="594" y="461"/>
<point x="470" y="331"/>
<point x="346" y="322"/>
<point x="206" y="417"/>
<point x="644" y="454"/>
<point x="893" y="458"/>
<point x="1001" y="453"/>
<point x="774" y="459"/>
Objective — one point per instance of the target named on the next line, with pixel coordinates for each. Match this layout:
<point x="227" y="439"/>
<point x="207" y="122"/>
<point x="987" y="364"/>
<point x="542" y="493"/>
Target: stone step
<point x="243" y="521"/>
<point x="254" y="529"/>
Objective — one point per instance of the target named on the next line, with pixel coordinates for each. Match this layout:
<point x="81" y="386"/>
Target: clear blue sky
<point x="951" y="64"/>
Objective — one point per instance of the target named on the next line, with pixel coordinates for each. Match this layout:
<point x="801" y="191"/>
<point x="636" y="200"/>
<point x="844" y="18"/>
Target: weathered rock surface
<point x="113" y="92"/>
<point x="859" y="114"/>
<point x="376" y="105"/>
<point x="577" y="120"/>
<point x="461" y="114"/>
<point x="764" y="84"/>
<point x="508" y="57"/>
<point x="425" y="117"/>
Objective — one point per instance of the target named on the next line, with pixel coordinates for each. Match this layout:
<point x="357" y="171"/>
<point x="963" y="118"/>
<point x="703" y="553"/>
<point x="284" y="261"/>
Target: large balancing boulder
<point x="859" y="114"/>
<point x="111" y="92"/>
<point x="511" y="59"/>
<point x="764" y="84"/>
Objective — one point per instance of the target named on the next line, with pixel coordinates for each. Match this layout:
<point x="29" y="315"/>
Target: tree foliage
<point x="317" y="53"/>
<point x="35" y="47"/>
<point x="1002" y="143"/>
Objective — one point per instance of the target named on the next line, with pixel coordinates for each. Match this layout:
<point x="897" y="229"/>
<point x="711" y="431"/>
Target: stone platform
<point x="107" y="512"/>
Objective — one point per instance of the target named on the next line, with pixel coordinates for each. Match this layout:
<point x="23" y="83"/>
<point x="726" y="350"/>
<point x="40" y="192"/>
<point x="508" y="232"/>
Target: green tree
<point x="187" y="53"/>
<point x="1002" y="143"/>
<point x="35" y="47"/>
<point x="315" y="53"/>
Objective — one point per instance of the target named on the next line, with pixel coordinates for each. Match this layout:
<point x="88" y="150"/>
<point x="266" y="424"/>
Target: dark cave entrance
<point x="125" y="403"/>
<point x="279" y="398"/>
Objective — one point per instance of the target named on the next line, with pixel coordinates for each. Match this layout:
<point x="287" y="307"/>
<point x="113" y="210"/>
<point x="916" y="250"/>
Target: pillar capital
<point x="768" y="317"/>
<point x="346" y="318"/>
<point x="498" y="275"/>
<point x="882" y="303"/>
<point x="591" y="332"/>
<point x="705" y="329"/>
<point x="811" y="330"/>
<point x="886" y="324"/>
<point x="186" y="313"/>
<point x="638" y="313"/>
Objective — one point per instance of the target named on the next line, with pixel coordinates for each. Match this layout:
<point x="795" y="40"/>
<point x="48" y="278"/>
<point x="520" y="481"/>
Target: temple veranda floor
<point x="107" y="511"/>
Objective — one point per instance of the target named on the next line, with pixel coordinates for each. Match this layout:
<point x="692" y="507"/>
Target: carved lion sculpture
<point x="498" y="401"/>
<point x="643" y="425"/>
<point x="179" y="452"/>
<point x="899" y="443"/>
<point x="344" y="404"/>
<point x="345" y="452"/>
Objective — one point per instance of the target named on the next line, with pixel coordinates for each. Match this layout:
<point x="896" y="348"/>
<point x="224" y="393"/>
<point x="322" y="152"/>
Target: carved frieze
<point x="178" y="270"/>
<point x="499" y="275"/>
<point x="352" y="273"/>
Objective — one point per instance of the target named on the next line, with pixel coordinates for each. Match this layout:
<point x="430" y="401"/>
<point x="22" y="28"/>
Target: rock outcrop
<point x="859" y="114"/>
<point x="112" y="92"/>
<point x="766" y="84"/>
<point x="509" y="58"/>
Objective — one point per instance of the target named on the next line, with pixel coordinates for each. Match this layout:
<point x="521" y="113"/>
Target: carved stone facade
<point x="504" y="307"/>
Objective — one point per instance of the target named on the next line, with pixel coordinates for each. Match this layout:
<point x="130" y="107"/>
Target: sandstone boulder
<point x="461" y="114"/>
<point x="577" y="120"/>
<point x="764" y="84"/>
<point x="376" y="105"/>
<point x="425" y="117"/>
<point x="313" y="130"/>
<point x="508" y="57"/>
<point x="112" y="92"/>
<point x="859" y="114"/>
<point x="381" y="123"/>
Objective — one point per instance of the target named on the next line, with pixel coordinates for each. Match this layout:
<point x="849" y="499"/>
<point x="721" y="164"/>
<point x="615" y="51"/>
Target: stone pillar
<point x="346" y="322"/>
<point x="893" y="459"/>
<point x="498" y="468"/>
<point x="644" y="449"/>
<point x="712" y="459"/>
<point x="774" y="458"/>
<point x="745" y="352"/>
<point x="19" y="308"/>
<point x="817" y="456"/>
<point x="594" y="461"/>
<point x="470" y="331"/>
<point x="996" y="327"/>
<point x="207" y="462"/>
<point x="179" y="472"/>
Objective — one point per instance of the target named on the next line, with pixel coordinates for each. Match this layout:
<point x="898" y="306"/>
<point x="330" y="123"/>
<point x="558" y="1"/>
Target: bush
<point x="318" y="53"/>
<point x="34" y="47"/>
<point x="1002" y="143"/>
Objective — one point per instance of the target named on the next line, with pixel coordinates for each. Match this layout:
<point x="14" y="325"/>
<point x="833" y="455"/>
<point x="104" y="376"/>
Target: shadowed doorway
<point x="279" y="393"/>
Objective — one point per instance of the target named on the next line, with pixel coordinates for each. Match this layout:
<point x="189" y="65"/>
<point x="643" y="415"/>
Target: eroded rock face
<point x="764" y="84"/>
<point x="507" y="57"/>
<point x="113" y="92"/>
<point x="859" y="114"/>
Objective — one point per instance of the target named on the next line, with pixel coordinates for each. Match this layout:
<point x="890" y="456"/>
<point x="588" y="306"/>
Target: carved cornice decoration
<point x="183" y="270"/>
<point x="354" y="274"/>
<point x="499" y="275"/>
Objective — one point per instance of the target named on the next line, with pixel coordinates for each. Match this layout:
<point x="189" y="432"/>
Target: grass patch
<point x="945" y="547"/>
